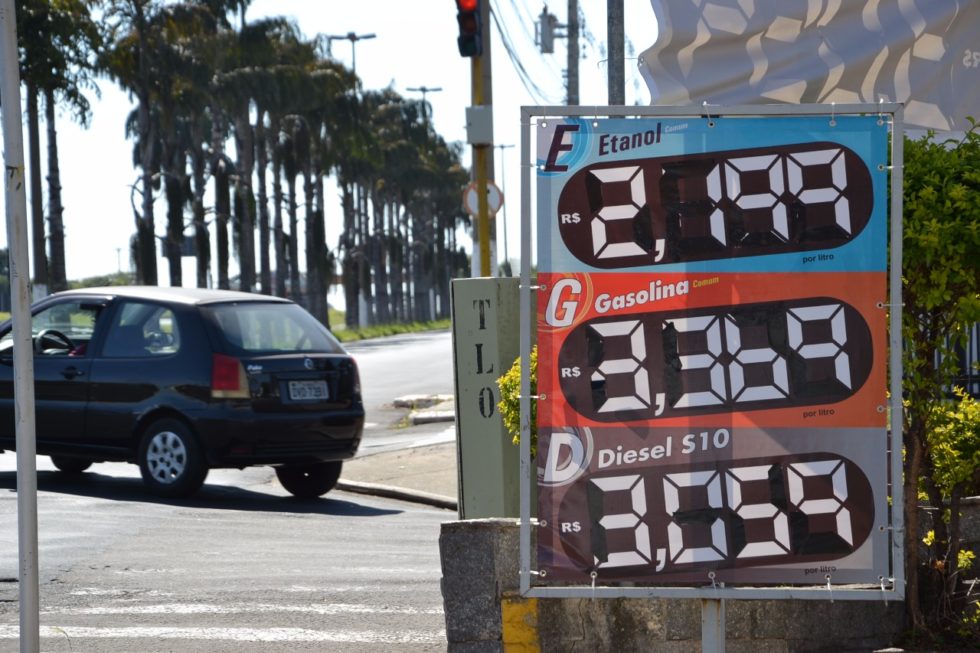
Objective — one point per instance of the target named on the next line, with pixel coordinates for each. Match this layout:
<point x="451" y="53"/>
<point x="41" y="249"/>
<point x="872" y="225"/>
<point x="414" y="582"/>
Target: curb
<point x="431" y="416"/>
<point x="415" y="402"/>
<point x="428" y="409"/>
<point x="392" y="492"/>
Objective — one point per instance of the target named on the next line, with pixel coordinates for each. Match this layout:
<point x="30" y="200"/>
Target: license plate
<point x="307" y="390"/>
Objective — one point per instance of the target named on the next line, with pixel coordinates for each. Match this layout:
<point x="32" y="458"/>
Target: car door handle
<point x="72" y="372"/>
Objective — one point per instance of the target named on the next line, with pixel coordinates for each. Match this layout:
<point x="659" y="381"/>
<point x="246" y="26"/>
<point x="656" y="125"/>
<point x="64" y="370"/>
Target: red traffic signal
<point x="470" y="39"/>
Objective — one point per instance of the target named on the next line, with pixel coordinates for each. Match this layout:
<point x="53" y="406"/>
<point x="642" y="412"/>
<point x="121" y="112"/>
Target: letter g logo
<point x="563" y="302"/>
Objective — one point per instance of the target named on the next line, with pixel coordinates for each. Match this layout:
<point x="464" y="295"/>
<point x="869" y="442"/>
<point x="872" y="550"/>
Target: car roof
<point x="190" y="296"/>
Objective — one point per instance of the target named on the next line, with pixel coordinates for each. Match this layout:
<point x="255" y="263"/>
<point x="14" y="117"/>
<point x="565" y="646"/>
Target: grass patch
<point x="377" y="331"/>
<point x="336" y="319"/>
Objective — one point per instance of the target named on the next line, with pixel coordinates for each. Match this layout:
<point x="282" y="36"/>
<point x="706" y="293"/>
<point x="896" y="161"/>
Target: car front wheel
<point x="170" y="459"/>
<point x="310" y="480"/>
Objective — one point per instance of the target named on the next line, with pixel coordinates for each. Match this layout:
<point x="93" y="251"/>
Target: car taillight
<point x="357" y="378"/>
<point x="228" y="380"/>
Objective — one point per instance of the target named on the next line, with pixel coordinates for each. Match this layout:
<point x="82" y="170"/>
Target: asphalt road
<point x="242" y="566"/>
<point x="396" y="366"/>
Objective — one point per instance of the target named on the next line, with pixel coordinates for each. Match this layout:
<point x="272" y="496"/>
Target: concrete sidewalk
<point x="421" y="474"/>
<point x="425" y="474"/>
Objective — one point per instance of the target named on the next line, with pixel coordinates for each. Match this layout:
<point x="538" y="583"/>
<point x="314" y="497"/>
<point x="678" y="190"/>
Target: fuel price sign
<point x="711" y="328"/>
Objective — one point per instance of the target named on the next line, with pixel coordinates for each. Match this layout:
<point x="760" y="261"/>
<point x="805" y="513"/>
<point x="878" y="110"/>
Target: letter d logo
<point x="567" y="458"/>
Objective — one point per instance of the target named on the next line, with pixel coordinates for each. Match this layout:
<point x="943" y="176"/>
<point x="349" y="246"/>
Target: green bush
<point x="941" y="296"/>
<point x="510" y="400"/>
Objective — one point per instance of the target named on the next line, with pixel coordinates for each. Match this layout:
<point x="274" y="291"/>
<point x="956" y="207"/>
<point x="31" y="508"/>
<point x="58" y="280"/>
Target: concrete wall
<point x="484" y="610"/>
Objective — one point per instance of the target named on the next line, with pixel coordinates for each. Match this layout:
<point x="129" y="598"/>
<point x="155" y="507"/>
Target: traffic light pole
<point x="480" y="160"/>
<point x="473" y="17"/>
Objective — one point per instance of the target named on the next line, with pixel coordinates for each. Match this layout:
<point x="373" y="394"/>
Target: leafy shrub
<point x="510" y="400"/>
<point x="941" y="295"/>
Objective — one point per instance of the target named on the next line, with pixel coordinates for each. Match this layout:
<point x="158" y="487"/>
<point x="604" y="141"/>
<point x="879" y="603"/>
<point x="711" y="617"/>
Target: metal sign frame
<point x="889" y="588"/>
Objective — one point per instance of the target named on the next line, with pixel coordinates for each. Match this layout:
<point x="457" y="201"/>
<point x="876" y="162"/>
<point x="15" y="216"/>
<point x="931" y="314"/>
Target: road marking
<point x="243" y="608"/>
<point x="231" y="634"/>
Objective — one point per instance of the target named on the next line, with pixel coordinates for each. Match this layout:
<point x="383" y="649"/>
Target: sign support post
<point x="21" y="317"/>
<point x="712" y="626"/>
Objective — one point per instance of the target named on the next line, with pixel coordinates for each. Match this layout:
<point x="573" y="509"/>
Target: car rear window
<point x="257" y="328"/>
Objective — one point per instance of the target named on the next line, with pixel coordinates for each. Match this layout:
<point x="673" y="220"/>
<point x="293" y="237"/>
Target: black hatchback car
<point x="181" y="380"/>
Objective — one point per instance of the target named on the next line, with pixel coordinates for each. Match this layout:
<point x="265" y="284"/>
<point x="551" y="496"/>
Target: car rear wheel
<point x="170" y="459"/>
<point x="70" y="465"/>
<point x="310" y="480"/>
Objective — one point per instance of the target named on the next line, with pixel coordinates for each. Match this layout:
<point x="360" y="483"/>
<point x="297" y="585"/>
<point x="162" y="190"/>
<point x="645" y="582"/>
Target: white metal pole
<point x="712" y="625"/>
<point x="16" y="198"/>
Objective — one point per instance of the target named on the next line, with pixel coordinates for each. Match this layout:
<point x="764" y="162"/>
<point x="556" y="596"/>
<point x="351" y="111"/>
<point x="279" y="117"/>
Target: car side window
<point x="141" y="330"/>
<point x="63" y="329"/>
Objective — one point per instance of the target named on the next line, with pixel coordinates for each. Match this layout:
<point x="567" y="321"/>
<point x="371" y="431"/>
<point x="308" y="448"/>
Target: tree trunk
<point x="246" y="225"/>
<point x="363" y="263"/>
<point x="348" y="243"/>
<point x="324" y="261"/>
<point x="379" y="261"/>
<point x="279" y="243"/>
<point x="396" y="259"/>
<point x="408" y="250"/>
<point x="295" y="289"/>
<point x="313" y="248"/>
<point x="174" y="190"/>
<point x="202" y="239"/>
<point x="442" y="268"/>
<point x="146" y="261"/>
<point x="265" y="269"/>
<point x="39" y="242"/>
<point x="222" y="210"/>
<point x="57" y="278"/>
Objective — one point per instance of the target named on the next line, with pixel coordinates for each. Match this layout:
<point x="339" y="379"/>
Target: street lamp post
<point x="360" y="263"/>
<point x="423" y="90"/>
<point x="353" y="38"/>
<point x="503" y="178"/>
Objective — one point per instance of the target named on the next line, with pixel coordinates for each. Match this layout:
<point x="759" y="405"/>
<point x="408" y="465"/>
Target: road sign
<point x="709" y="324"/>
<point x="471" y="199"/>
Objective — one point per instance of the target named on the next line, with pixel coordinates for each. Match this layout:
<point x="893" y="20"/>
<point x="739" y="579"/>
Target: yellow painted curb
<point x="520" y="625"/>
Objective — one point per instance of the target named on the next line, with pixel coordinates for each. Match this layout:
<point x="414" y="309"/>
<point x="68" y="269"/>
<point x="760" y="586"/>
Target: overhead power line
<point x="534" y="90"/>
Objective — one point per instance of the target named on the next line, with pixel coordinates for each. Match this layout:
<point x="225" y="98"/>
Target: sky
<point x="414" y="46"/>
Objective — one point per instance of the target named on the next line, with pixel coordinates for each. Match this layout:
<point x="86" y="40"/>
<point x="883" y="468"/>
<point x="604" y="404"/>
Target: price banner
<point x="712" y="350"/>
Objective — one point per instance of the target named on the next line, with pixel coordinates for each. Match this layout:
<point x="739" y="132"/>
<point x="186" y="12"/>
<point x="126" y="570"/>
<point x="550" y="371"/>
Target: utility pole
<point x="615" y="35"/>
<point x="548" y="31"/>
<point x="503" y="180"/>
<point x="482" y="96"/>
<point x="572" y="72"/>
<point x="473" y="17"/>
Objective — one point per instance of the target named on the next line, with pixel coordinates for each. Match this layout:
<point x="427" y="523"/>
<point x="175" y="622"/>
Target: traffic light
<point x="470" y="39"/>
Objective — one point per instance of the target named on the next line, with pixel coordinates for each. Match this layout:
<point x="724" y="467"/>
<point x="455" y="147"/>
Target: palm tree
<point x="129" y="61"/>
<point x="59" y="42"/>
<point x="328" y="80"/>
<point x="180" y="93"/>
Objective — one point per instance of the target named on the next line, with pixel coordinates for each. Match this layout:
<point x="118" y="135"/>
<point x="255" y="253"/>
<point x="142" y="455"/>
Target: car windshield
<point x="257" y="328"/>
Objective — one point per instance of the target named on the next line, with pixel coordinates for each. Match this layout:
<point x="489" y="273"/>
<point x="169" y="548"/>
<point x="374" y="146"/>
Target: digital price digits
<point x="779" y="510"/>
<point x="720" y="359"/>
<point x="747" y="202"/>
